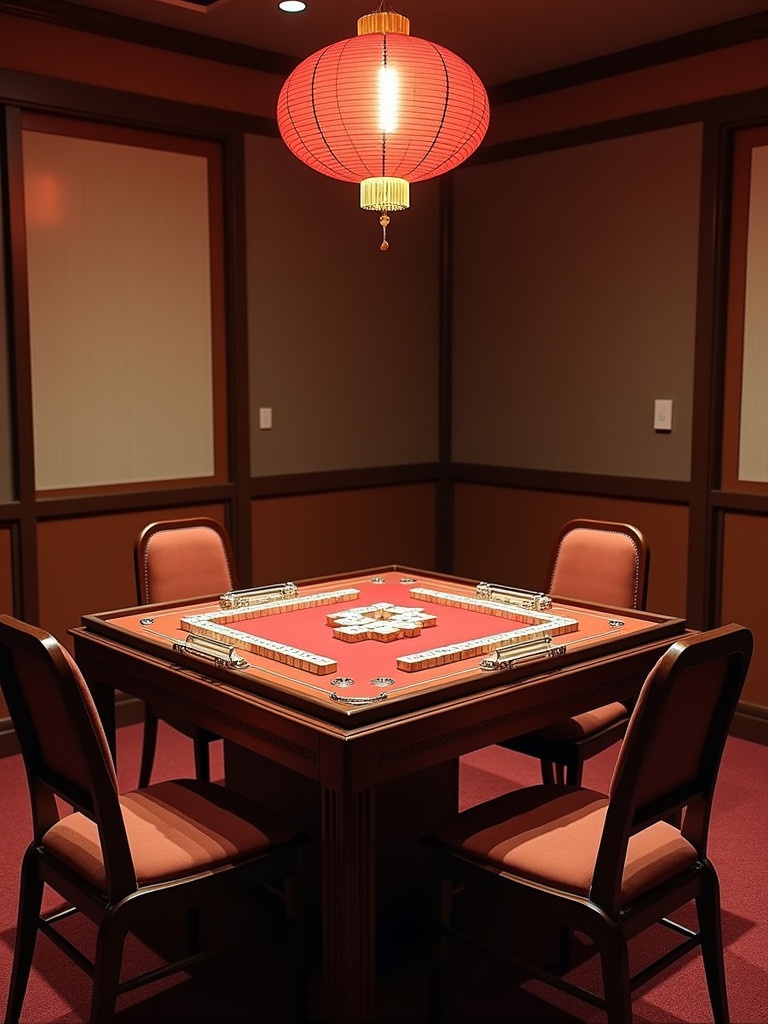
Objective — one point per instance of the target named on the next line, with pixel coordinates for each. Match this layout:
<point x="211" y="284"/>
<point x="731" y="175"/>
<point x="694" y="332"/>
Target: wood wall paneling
<point x="504" y="535"/>
<point x="744" y="593"/>
<point x="6" y="448"/>
<point x="6" y="587"/>
<point x="317" y="534"/>
<point x="86" y="563"/>
<point x="6" y="571"/>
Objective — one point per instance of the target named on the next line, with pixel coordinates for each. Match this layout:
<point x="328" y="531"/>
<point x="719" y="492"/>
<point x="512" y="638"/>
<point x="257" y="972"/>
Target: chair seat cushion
<point x="174" y="828"/>
<point x="550" y="835"/>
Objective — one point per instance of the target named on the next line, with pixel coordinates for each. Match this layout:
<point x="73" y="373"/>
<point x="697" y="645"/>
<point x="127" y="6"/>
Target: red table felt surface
<point x="307" y="630"/>
<point x="366" y="660"/>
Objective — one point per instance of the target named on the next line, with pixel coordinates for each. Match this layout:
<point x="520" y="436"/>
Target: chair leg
<point x="614" y="963"/>
<point x="30" y="902"/>
<point x="149" y="743"/>
<point x="193" y="931"/>
<point x="202" y="758"/>
<point x="564" y="949"/>
<point x="547" y="773"/>
<point x="294" y="896"/>
<point x="552" y="772"/>
<point x="108" y="964"/>
<point x="574" y="772"/>
<point x="440" y="919"/>
<point x="711" y="932"/>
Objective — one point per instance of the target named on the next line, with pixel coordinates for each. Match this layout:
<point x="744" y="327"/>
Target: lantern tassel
<point x="384" y="220"/>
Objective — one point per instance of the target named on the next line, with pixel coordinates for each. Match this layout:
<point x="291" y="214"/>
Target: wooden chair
<point x="602" y="563"/>
<point x="563" y="857"/>
<point x="133" y="862"/>
<point x="176" y="560"/>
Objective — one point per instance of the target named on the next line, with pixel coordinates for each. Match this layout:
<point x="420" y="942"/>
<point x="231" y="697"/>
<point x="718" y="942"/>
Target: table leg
<point x="349" y="905"/>
<point x="366" y="865"/>
<point x="104" y="699"/>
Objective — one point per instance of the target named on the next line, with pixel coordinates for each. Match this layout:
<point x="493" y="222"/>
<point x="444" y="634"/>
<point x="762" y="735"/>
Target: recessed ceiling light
<point x="291" y="6"/>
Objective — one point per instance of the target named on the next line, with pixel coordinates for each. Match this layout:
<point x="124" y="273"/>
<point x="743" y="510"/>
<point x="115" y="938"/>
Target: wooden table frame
<point x="349" y="763"/>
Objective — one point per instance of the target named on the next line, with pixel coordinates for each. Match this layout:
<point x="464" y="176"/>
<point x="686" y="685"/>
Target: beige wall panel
<point x="343" y="338"/>
<point x="315" y="535"/>
<point x="503" y="535"/>
<point x="575" y="306"/>
<point x="118" y="259"/>
<point x="86" y="564"/>
<point x="753" y="439"/>
<point x="744" y="594"/>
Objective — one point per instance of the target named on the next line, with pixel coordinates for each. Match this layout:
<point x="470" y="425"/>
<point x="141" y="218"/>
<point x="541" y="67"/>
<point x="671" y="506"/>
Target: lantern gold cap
<point x="383" y="21"/>
<point x="385" y="193"/>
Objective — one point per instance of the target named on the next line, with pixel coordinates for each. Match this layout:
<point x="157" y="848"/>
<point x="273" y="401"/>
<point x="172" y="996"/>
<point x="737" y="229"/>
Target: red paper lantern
<point x="383" y="108"/>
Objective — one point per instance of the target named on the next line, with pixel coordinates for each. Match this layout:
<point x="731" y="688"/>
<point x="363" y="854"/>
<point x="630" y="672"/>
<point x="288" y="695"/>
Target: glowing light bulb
<point x="388" y="97"/>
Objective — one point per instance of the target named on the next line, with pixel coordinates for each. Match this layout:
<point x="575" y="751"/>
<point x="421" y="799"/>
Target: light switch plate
<point x="662" y="414"/>
<point x="265" y="418"/>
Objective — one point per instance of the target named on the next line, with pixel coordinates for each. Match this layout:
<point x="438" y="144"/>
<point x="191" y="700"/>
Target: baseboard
<point x="751" y="723"/>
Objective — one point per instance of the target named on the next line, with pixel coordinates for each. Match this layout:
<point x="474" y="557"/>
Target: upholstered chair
<point x="562" y="859"/>
<point x="135" y="862"/>
<point x="178" y="560"/>
<point x="602" y="563"/>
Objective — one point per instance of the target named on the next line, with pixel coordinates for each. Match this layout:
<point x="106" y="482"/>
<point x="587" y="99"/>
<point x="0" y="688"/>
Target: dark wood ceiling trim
<point x="740" y="109"/>
<point x="75" y="99"/>
<point x="690" y="44"/>
<point x="131" y="30"/>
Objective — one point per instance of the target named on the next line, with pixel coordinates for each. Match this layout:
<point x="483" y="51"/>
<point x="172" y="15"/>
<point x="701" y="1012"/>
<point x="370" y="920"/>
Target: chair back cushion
<point x="183" y="559"/>
<point x="600" y="562"/>
<point x="58" y="727"/>
<point x="63" y="745"/>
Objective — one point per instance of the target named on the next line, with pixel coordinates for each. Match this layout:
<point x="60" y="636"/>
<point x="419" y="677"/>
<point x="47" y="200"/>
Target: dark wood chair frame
<point x="125" y="905"/>
<point x="601" y="915"/>
<point x="201" y="738"/>
<point x="563" y="760"/>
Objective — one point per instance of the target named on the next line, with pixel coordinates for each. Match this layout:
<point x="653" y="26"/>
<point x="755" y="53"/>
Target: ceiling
<point x="502" y="39"/>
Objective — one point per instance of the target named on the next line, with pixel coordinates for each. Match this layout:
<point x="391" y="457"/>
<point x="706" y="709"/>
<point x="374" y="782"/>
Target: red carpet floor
<point x="254" y="988"/>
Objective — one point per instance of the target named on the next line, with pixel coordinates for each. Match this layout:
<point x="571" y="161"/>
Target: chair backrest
<point x="179" y="559"/>
<point x="602" y="562"/>
<point x="671" y="753"/>
<point x="62" y="741"/>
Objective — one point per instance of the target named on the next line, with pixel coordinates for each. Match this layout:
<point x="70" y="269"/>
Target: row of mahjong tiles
<point x="318" y="664"/>
<point x="381" y="621"/>
<point x="502" y="609"/>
